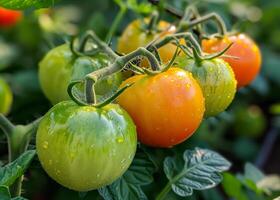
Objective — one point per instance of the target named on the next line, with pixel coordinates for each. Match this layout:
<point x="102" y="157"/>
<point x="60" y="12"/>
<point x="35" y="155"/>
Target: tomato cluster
<point x="89" y="142"/>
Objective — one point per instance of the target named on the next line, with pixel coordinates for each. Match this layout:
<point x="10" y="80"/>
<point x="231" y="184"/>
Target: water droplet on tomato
<point x="120" y="140"/>
<point x="50" y="162"/>
<point x="45" y="144"/>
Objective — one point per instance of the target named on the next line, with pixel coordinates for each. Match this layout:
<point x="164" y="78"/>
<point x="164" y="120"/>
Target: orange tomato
<point x="167" y="108"/>
<point x="9" y="17"/>
<point x="248" y="62"/>
<point x="134" y="36"/>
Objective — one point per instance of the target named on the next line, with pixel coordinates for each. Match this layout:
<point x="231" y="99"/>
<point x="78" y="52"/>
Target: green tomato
<point x="249" y="121"/>
<point x="6" y="97"/>
<point x="216" y="80"/>
<point x="84" y="148"/>
<point x="60" y="66"/>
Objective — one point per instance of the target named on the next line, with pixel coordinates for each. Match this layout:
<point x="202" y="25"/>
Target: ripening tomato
<point x="247" y="63"/>
<point x="216" y="79"/>
<point x="135" y="36"/>
<point x="60" y="66"/>
<point x="84" y="148"/>
<point x="8" y="17"/>
<point x="167" y="108"/>
<point x="6" y="97"/>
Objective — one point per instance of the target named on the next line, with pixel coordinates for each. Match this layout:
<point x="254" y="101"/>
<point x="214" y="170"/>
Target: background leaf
<point x="128" y="186"/>
<point x="23" y="4"/>
<point x="200" y="171"/>
<point x="12" y="171"/>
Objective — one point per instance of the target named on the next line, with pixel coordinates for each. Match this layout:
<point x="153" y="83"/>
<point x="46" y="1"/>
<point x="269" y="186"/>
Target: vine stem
<point x="203" y="19"/>
<point x="117" y="21"/>
<point x="164" y="192"/>
<point x="18" y="138"/>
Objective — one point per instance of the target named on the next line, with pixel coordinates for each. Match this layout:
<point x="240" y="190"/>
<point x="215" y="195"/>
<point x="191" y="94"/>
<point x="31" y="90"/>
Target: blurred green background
<point x="247" y="131"/>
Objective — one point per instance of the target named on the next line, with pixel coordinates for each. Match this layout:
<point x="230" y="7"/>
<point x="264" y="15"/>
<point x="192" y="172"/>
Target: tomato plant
<point x="6" y="97"/>
<point x="162" y="102"/>
<point x="60" y="65"/>
<point x="8" y="17"/>
<point x="144" y="100"/>
<point x="246" y="55"/>
<point x="85" y="148"/>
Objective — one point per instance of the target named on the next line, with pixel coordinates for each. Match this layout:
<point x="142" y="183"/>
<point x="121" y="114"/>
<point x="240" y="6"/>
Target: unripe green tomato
<point x="249" y="121"/>
<point x="216" y="80"/>
<point x="6" y="97"/>
<point x="59" y="66"/>
<point x="84" y="148"/>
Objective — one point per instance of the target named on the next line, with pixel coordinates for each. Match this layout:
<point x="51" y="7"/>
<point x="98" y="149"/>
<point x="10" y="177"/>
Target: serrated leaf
<point x="4" y="193"/>
<point x="200" y="171"/>
<point x="12" y="171"/>
<point x="23" y="4"/>
<point x="128" y="186"/>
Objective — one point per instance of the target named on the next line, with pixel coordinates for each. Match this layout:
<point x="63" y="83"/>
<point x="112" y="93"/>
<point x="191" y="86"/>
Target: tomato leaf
<point x="4" y="193"/>
<point x="200" y="171"/>
<point x="23" y="4"/>
<point x="128" y="186"/>
<point x="12" y="171"/>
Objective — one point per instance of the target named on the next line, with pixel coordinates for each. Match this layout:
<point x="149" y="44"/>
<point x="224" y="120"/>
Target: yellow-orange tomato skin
<point x="247" y="63"/>
<point x="134" y="37"/>
<point x="167" y="108"/>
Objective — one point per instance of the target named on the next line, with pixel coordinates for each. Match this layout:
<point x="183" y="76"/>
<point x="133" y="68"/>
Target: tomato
<point x="59" y="66"/>
<point x="217" y="81"/>
<point x="167" y="108"/>
<point x="6" y="97"/>
<point x="248" y="62"/>
<point x="249" y="121"/>
<point x="134" y="36"/>
<point x="84" y="148"/>
<point x="9" y="17"/>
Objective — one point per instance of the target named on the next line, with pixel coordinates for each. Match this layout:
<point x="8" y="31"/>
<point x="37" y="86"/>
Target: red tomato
<point x="247" y="65"/>
<point x="8" y="17"/>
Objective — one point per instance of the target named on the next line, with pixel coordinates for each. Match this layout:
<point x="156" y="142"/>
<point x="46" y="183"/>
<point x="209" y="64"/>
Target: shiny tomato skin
<point x="167" y="108"/>
<point x="58" y="66"/>
<point x="84" y="148"/>
<point x="6" y="97"/>
<point x="134" y="37"/>
<point x="217" y="82"/>
<point x="8" y="17"/>
<point x="248" y="62"/>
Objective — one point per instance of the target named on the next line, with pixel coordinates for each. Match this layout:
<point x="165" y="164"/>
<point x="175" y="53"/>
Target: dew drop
<point x="120" y="140"/>
<point x="45" y="145"/>
<point x="50" y="162"/>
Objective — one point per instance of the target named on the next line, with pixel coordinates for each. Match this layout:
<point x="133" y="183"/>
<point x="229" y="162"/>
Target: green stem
<point x="164" y="192"/>
<point x="117" y="21"/>
<point x="8" y="129"/>
<point x="203" y="19"/>
<point x="18" y="138"/>
<point x="152" y="25"/>
<point x="186" y="35"/>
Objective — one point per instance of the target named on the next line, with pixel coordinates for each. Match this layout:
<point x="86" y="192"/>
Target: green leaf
<point x="200" y="171"/>
<point x="143" y="7"/>
<point x="12" y="171"/>
<point x="128" y="186"/>
<point x="23" y="4"/>
<point x="233" y="187"/>
<point x="4" y="193"/>
<point x="253" y="173"/>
